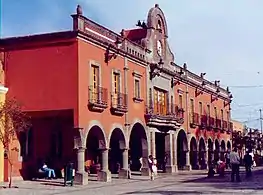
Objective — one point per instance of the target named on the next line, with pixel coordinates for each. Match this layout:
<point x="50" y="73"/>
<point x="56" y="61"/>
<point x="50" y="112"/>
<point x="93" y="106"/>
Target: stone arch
<point x="87" y="130"/>
<point x="201" y="153"/>
<point x="193" y="153"/>
<point x="136" y="122"/>
<point x="138" y="145"/>
<point x="182" y="149"/>
<point x="229" y="148"/>
<point x="120" y="128"/>
<point x="95" y="143"/>
<point x="117" y="144"/>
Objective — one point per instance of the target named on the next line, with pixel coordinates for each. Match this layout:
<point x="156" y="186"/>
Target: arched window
<point x="159" y="25"/>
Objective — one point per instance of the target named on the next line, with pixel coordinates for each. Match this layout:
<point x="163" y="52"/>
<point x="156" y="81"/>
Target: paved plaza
<point x="194" y="182"/>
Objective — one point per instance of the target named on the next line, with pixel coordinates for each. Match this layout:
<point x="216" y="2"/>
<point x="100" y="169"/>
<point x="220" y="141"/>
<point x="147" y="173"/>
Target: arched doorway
<point x="193" y="153"/>
<point x="217" y="150"/>
<point x="222" y="150"/>
<point x="181" y="149"/>
<point x="138" y="147"/>
<point x="201" y="154"/>
<point x="95" y="143"/>
<point x="210" y="152"/>
<point x="117" y="145"/>
<point x="229" y="146"/>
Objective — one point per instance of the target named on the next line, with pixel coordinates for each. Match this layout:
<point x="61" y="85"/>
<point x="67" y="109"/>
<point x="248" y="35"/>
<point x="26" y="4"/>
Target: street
<point x="194" y="182"/>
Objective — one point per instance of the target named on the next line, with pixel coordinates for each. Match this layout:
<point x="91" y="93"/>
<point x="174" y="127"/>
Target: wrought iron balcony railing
<point x="225" y="126"/>
<point x="212" y="123"/>
<point x="194" y="119"/>
<point x="204" y="121"/>
<point x="165" y="112"/>
<point x="119" y="103"/>
<point x="98" y="98"/>
<point x="218" y="124"/>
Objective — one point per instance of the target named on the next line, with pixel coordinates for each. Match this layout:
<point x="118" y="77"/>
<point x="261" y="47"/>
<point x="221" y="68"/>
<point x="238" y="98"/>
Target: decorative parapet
<point x="95" y="30"/>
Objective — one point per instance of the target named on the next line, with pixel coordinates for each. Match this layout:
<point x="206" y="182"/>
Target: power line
<point x="246" y="86"/>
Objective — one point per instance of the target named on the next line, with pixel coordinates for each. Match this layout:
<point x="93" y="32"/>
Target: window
<point x="215" y="110"/>
<point x="191" y="106"/>
<point x="200" y="108"/>
<point x="228" y="116"/>
<point x="95" y="76"/>
<point x="208" y="110"/>
<point x="116" y="82"/>
<point x="137" y="88"/>
<point x="222" y="114"/>
<point x="180" y="101"/>
<point x="160" y="101"/>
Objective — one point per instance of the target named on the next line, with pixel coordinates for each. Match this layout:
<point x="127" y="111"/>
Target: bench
<point x="38" y="174"/>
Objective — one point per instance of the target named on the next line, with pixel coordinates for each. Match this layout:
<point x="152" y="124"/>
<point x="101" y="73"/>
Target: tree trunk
<point x="10" y="175"/>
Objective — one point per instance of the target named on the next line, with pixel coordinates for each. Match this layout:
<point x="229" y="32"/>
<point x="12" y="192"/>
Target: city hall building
<point x="106" y="101"/>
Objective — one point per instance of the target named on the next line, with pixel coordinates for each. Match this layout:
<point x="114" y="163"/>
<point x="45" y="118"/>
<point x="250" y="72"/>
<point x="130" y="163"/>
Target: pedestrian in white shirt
<point x="235" y="162"/>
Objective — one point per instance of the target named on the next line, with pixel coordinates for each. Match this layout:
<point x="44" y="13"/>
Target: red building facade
<point x="102" y="99"/>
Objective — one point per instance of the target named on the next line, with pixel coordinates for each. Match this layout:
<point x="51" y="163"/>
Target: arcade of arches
<point x="118" y="155"/>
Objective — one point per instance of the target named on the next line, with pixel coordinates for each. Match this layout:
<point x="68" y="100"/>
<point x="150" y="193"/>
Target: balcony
<point x="212" y="123"/>
<point x="119" y="103"/>
<point x="225" y="126"/>
<point x="218" y="125"/>
<point x="179" y="113"/>
<point x="163" y="118"/>
<point x="98" y="98"/>
<point x="194" y="120"/>
<point x="203" y="121"/>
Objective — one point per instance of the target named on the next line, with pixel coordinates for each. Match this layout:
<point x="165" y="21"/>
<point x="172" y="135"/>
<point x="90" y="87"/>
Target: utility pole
<point x="260" y="119"/>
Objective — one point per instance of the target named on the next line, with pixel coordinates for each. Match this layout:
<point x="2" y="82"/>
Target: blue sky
<point x="222" y="38"/>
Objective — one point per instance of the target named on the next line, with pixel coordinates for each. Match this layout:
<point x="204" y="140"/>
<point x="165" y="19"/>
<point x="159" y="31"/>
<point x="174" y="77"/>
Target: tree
<point x="12" y="122"/>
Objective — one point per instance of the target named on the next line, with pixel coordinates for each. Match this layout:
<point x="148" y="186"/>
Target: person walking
<point x="235" y="162"/>
<point x="248" y="161"/>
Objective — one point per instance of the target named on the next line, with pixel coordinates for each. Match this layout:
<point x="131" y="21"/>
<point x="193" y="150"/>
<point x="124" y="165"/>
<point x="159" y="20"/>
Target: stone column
<point x="153" y="145"/>
<point x="105" y="175"/>
<point x="170" y="168"/>
<point x="125" y="172"/>
<point x="206" y="159"/>
<point x="145" y="168"/>
<point x="187" y="164"/>
<point x="81" y="176"/>
<point x="175" y="152"/>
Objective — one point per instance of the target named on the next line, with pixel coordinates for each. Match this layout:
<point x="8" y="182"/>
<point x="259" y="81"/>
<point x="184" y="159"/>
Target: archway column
<point x="169" y="167"/>
<point x="145" y="167"/>
<point x="104" y="174"/>
<point x="81" y="176"/>
<point x="125" y="171"/>
<point x="175" y="153"/>
<point x="187" y="164"/>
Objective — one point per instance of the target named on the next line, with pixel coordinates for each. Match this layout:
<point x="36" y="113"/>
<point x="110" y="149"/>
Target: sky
<point x="222" y="38"/>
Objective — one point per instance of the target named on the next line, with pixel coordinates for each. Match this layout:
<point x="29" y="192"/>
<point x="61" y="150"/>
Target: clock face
<point x="159" y="48"/>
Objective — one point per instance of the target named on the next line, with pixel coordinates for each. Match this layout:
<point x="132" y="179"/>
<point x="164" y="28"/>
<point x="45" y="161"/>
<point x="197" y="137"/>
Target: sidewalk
<point x="183" y="181"/>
